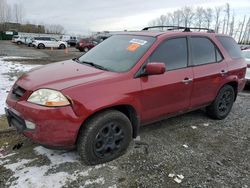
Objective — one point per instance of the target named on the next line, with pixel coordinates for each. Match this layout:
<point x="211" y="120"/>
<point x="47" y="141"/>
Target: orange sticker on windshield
<point x="133" y="47"/>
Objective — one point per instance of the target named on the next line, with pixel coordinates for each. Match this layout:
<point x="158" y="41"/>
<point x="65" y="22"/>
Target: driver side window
<point x="172" y="52"/>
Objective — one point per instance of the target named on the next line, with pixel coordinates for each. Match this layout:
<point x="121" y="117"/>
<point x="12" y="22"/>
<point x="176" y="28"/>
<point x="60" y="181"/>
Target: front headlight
<point x="48" y="97"/>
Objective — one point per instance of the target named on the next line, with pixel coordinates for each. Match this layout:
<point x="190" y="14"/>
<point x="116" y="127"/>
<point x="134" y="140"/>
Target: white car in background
<point x="246" y="55"/>
<point x="48" y="42"/>
<point x="18" y="39"/>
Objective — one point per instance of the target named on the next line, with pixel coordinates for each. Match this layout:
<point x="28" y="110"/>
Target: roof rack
<point x="185" y="29"/>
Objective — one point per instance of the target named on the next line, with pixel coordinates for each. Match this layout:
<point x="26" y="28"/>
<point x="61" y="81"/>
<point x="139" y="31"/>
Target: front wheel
<point x="85" y="49"/>
<point x="222" y="104"/>
<point x="41" y="46"/>
<point x="104" y="137"/>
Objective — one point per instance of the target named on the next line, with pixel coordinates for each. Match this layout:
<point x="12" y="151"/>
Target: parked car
<point x="14" y="38"/>
<point x="18" y="39"/>
<point x="85" y="44"/>
<point x="48" y="42"/>
<point x="72" y="41"/>
<point x="97" y="102"/>
<point x="246" y="55"/>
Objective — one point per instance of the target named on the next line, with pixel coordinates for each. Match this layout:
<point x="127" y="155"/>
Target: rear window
<point x="230" y="46"/>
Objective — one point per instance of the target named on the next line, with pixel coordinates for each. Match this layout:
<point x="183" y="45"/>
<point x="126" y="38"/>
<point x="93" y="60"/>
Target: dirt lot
<point x="190" y="150"/>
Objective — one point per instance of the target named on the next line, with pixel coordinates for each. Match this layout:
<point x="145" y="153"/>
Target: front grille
<point x="17" y="92"/>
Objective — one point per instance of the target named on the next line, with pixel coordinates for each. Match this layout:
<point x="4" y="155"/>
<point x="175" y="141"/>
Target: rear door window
<point x="172" y="52"/>
<point x="203" y="51"/>
<point x="230" y="46"/>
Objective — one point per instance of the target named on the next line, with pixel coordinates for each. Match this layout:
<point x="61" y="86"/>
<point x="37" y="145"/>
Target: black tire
<point x="19" y="42"/>
<point x="62" y="46"/>
<point x="41" y="46"/>
<point x="222" y="104"/>
<point x="104" y="137"/>
<point x="85" y="49"/>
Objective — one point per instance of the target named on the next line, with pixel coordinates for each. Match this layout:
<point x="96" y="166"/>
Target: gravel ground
<point x="190" y="150"/>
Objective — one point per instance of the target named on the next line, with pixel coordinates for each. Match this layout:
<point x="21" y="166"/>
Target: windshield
<point x="246" y="54"/>
<point x="118" y="53"/>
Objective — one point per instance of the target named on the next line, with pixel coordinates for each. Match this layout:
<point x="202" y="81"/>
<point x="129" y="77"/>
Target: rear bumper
<point x="54" y="127"/>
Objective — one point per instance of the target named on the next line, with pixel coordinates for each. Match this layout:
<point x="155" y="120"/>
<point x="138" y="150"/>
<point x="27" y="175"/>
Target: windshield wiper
<point x="93" y="65"/>
<point x="76" y="60"/>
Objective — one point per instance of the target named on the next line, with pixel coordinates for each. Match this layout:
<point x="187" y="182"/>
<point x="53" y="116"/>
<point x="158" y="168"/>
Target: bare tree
<point x="231" y="31"/>
<point x="162" y="20"/>
<point x="3" y="5"/>
<point x="55" y="29"/>
<point x="199" y="16"/>
<point x="208" y="15"/>
<point x="217" y="19"/>
<point x="177" y="17"/>
<point x="246" y="32"/>
<point x="227" y="10"/>
<point x="241" y="30"/>
<point x="188" y="14"/>
<point x="18" y="13"/>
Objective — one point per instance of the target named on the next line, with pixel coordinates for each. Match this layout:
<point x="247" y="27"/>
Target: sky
<point x="86" y="16"/>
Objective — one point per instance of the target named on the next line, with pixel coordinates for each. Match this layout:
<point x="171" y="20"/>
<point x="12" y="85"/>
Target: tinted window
<point x="119" y="53"/>
<point x="172" y="52"/>
<point x="203" y="51"/>
<point x="230" y="46"/>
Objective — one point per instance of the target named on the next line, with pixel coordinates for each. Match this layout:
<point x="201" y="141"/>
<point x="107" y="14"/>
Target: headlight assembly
<point x="48" y="97"/>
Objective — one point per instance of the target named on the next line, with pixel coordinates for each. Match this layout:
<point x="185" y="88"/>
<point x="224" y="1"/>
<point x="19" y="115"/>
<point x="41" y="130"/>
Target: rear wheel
<point x="62" y="46"/>
<point x="41" y="46"/>
<point x="105" y="137"/>
<point x="19" y="42"/>
<point x="222" y="104"/>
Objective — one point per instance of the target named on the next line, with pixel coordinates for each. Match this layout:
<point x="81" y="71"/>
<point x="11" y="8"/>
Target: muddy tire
<point x="222" y="104"/>
<point x="104" y="137"/>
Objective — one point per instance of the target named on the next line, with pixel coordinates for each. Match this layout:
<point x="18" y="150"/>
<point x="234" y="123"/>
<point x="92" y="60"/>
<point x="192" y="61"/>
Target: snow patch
<point x="8" y="76"/>
<point x="34" y="176"/>
<point x="57" y="156"/>
<point x="185" y="145"/>
<point x="96" y="181"/>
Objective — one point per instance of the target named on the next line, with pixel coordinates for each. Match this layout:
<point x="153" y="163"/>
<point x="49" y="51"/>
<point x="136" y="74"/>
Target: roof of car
<point x="158" y="33"/>
<point x="155" y="31"/>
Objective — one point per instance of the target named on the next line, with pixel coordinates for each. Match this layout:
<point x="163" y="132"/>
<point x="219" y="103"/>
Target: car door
<point x="169" y="92"/>
<point x="54" y="43"/>
<point x="209" y="70"/>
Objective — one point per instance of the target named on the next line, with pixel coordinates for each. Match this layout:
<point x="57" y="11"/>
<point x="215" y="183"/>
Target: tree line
<point x="221" y="19"/>
<point x="15" y="14"/>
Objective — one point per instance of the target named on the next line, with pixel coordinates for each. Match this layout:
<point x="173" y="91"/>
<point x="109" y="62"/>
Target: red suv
<point x="98" y="102"/>
<point x="84" y="45"/>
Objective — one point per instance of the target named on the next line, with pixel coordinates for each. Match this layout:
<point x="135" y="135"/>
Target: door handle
<point x="187" y="80"/>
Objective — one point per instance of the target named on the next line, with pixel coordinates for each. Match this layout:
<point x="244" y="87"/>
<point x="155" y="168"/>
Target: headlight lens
<point x="48" y="97"/>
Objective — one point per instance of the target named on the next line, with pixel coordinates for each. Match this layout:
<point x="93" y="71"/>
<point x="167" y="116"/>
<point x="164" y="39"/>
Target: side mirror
<point x="155" y="68"/>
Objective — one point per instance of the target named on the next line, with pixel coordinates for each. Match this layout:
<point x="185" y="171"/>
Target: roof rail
<point x="185" y="29"/>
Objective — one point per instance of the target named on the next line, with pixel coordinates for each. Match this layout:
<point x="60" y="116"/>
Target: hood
<point x="61" y="75"/>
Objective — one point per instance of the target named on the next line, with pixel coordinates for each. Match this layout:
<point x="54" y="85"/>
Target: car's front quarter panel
<point x="93" y="97"/>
